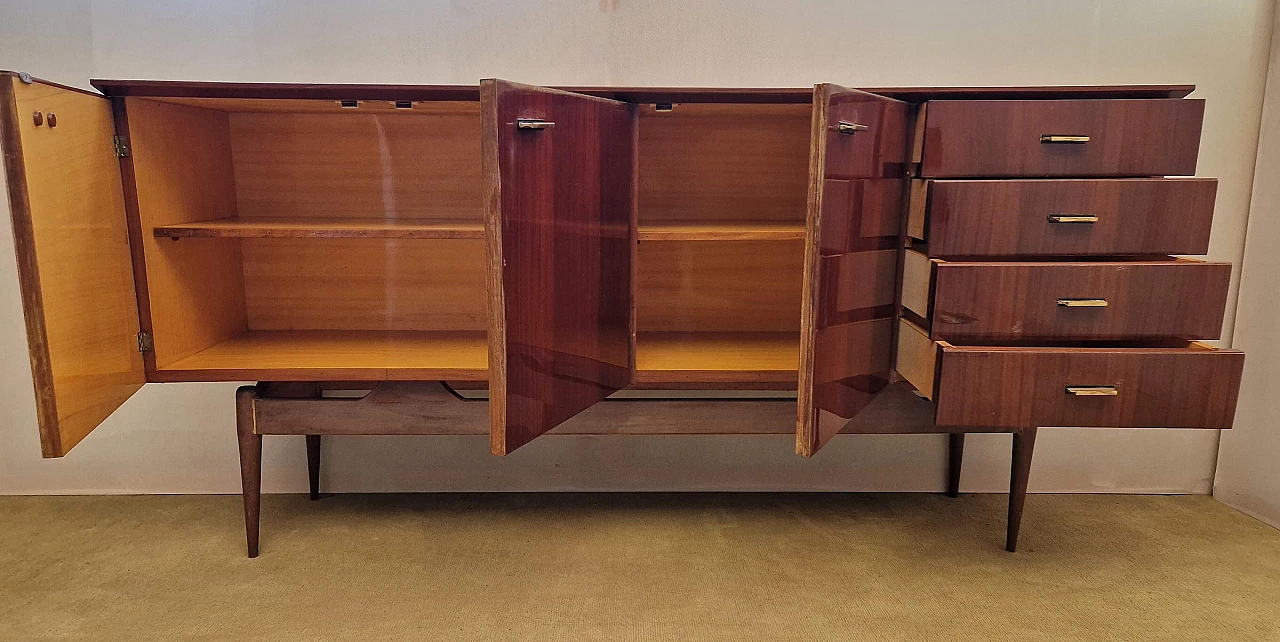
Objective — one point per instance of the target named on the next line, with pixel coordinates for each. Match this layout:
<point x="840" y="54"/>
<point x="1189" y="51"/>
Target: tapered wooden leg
<point x="313" y="465"/>
<point x="250" y="464"/>
<point x="955" y="457"/>
<point x="1023" y="444"/>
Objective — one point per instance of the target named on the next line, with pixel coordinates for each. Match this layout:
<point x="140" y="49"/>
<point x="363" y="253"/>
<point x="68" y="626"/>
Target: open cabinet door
<point x="857" y="178"/>
<point x="71" y="239"/>
<point x="559" y="172"/>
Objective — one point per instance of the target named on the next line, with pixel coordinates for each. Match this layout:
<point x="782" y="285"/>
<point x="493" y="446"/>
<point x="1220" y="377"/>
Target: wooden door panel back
<point x="75" y="269"/>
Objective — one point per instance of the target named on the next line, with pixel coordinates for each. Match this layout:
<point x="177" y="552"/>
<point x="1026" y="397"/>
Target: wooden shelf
<point x="332" y="228"/>
<point x="769" y="359"/>
<point x="355" y="228"/>
<point x="336" y="355"/>
<point x="722" y="231"/>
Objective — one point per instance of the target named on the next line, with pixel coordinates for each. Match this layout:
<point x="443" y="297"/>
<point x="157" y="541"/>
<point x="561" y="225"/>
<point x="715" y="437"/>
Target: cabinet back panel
<point x="364" y="284"/>
<point x="734" y="286"/>
<point x="358" y="165"/>
<point x="182" y="169"/>
<point x="321" y="106"/>
<point x="723" y="162"/>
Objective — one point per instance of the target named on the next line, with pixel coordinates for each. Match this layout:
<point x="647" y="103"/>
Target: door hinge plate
<point x="144" y="342"/>
<point x="122" y="146"/>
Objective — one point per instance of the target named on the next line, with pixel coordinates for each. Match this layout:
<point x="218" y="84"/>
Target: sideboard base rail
<point x="421" y="408"/>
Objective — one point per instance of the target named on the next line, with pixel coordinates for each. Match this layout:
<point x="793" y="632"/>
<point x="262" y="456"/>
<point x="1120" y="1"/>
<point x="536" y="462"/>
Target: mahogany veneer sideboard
<point x="895" y="260"/>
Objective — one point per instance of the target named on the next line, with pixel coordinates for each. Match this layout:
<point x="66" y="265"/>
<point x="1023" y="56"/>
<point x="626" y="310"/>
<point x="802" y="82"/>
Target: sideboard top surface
<point x="192" y="89"/>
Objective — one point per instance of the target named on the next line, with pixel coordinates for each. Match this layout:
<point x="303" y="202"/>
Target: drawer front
<point x="1121" y="388"/>
<point x="1022" y="301"/>
<point x="1066" y="217"/>
<point x="1033" y="138"/>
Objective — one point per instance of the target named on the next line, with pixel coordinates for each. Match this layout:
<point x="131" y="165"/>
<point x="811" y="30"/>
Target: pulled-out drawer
<point x="1188" y="386"/>
<point x="1033" y="138"/>
<point x="1107" y="300"/>
<point x="1063" y="217"/>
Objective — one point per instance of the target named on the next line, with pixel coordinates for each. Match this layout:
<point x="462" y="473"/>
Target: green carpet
<point x="652" y="567"/>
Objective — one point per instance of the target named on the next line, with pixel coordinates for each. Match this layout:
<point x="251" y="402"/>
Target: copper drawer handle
<point x="1073" y="218"/>
<point x="1093" y="391"/>
<point x="1063" y="139"/>
<point x="533" y="123"/>
<point x="848" y="129"/>
<point x="1082" y="303"/>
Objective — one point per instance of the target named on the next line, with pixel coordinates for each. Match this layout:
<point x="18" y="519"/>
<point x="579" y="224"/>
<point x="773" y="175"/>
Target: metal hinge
<point x="122" y="146"/>
<point x="144" y="342"/>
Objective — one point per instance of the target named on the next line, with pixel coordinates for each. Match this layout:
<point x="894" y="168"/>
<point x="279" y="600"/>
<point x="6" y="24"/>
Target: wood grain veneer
<point x="250" y="446"/>
<point x="748" y="286"/>
<point x="264" y="90"/>
<point x="721" y="231"/>
<point x="336" y="355"/>
<point x="723" y="162"/>
<point x="75" y="271"/>
<point x="1026" y="387"/>
<point x="665" y="359"/>
<point x="1008" y="218"/>
<point x="1018" y="301"/>
<point x="322" y="228"/>
<point x="850" y="266"/>
<point x="966" y="138"/>
<point x="560" y="220"/>
<point x="426" y="408"/>
<point x="358" y="165"/>
<point x="340" y="228"/>
<point x="182" y="172"/>
<point x="418" y="107"/>
<point x="916" y="358"/>
<point x="1024" y="442"/>
<point x="363" y="284"/>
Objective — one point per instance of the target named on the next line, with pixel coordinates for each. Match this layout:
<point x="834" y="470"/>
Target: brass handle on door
<point x="1073" y="218"/>
<point x="1064" y="138"/>
<point x="1082" y="303"/>
<point x="533" y="123"/>
<point x="848" y="129"/>
<point x="1093" y="391"/>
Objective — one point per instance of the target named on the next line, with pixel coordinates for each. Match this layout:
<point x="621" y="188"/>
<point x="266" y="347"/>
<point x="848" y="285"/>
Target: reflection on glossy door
<point x="560" y="230"/>
<point x="857" y="180"/>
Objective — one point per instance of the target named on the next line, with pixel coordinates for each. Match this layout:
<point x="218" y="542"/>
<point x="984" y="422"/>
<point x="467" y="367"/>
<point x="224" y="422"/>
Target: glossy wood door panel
<point x="858" y="149"/>
<point x="967" y="138"/>
<point x="75" y="270"/>
<point x="1113" y="300"/>
<point x="1191" y="387"/>
<point x="1066" y="217"/>
<point x="560" y="228"/>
